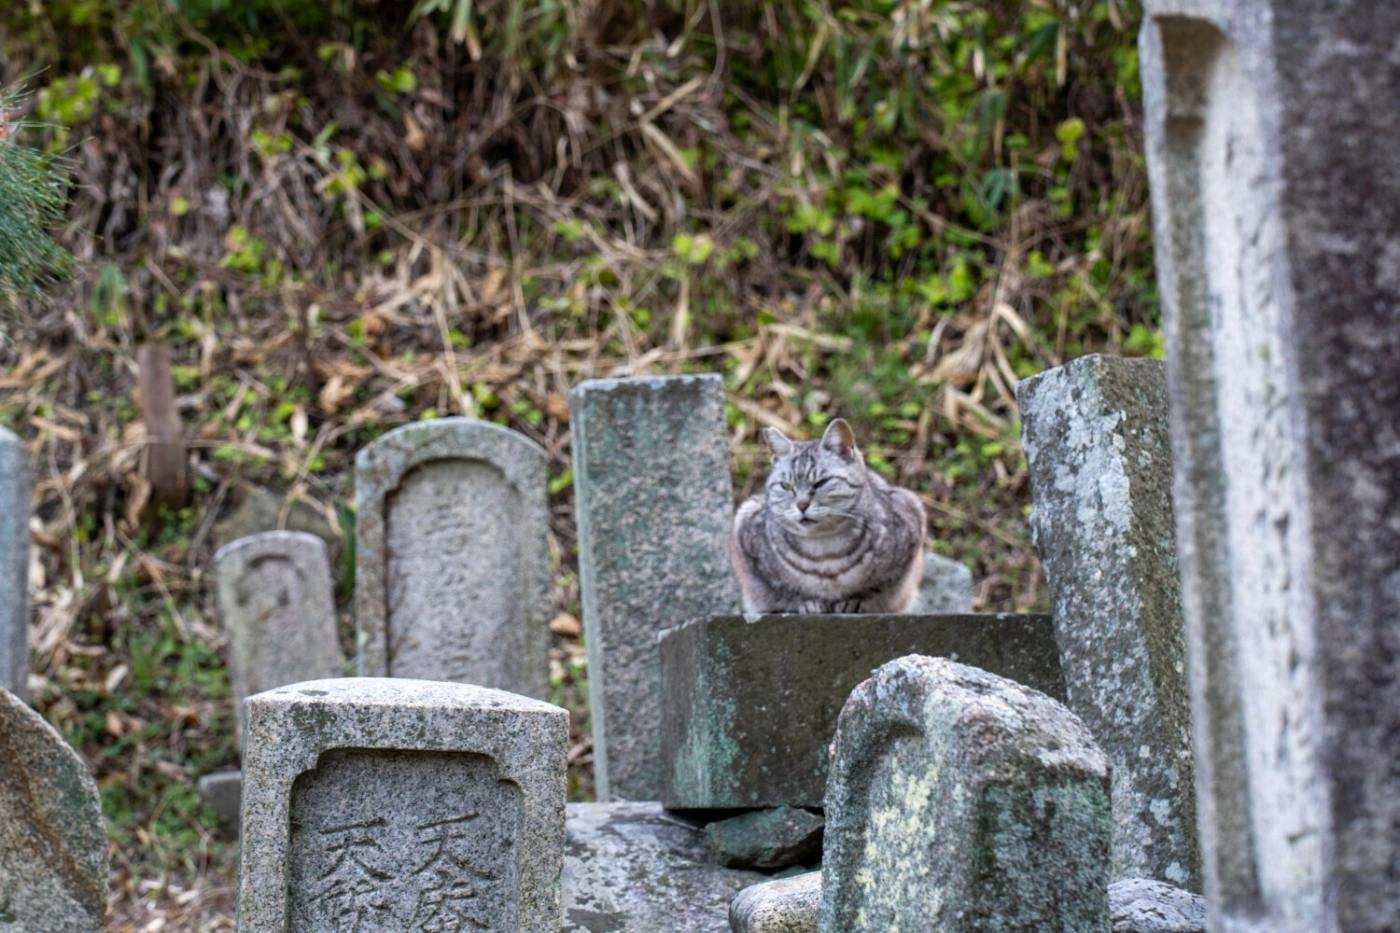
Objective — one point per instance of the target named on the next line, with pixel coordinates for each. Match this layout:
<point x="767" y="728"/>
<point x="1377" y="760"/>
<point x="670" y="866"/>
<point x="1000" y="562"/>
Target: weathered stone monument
<point x="452" y="560"/>
<point x="274" y="593"/>
<point x="654" y="509"/>
<point x="946" y="588"/>
<point x="390" y="804"/>
<point x="14" y="565"/>
<point x="53" y="842"/>
<point x="751" y="703"/>
<point x="1271" y="148"/>
<point x="963" y="801"/>
<point x="1096" y="438"/>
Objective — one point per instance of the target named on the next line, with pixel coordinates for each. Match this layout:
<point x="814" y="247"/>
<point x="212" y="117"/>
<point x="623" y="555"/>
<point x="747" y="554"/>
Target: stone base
<point x="223" y="791"/>
<point x="634" y="868"/>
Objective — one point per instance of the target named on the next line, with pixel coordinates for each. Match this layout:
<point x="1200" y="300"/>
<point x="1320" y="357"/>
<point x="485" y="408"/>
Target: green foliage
<point x="33" y="194"/>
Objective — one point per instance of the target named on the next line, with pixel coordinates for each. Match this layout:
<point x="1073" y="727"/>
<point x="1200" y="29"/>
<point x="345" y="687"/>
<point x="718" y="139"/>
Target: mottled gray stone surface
<point x="392" y="804"/>
<point x="788" y="905"/>
<point x="766" y="840"/>
<point x="14" y="565"/>
<point x="53" y="842"/>
<point x="634" y="868"/>
<point x="752" y="702"/>
<point x="1140" y="905"/>
<point x="946" y="588"/>
<point x="1097" y="441"/>
<point x="223" y="791"/>
<point x="452" y="557"/>
<point x="1276" y="207"/>
<point x="957" y="796"/>
<point x="274" y="593"/>
<point x="654" y="507"/>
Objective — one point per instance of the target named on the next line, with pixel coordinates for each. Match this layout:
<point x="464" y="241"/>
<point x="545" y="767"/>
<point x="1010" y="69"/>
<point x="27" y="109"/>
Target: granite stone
<point x="53" y="842"/>
<point x="395" y="804"/>
<point x="946" y="588"/>
<point x="1271" y="150"/>
<point x="654" y="509"/>
<point x="634" y="868"/>
<point x="1098" y="445"/>
<point x="766" y="840"/>
<point x="452" y="574"/>
<point x="1140" y="905"/>
<point x="223" y="792"/>
<point x="787" y="905"/>
<point x="14" y="565"/>
<point x="274" y="593"/>
<point x="752" y="702"/>
<point x="961" y="801"/>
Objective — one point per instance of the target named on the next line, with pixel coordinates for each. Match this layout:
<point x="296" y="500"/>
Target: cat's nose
<point x="802" y="505"/>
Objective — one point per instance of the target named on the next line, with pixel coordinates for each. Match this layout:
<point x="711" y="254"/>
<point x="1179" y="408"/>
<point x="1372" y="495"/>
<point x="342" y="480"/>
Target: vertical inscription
<point x="403" y="842"/>
<point x="455" y="582"/>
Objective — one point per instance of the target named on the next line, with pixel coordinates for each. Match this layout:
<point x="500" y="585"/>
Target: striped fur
<point x="827" y="534"/>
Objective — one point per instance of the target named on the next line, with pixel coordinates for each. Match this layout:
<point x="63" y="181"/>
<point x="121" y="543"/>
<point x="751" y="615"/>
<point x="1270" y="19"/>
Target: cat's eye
<point x="821" y="482"/>
<point x="787" y="486"/>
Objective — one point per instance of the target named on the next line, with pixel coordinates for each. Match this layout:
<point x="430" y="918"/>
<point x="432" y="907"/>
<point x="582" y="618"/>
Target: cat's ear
<point x="777" y="442"/>
<point x="839" y="439"/>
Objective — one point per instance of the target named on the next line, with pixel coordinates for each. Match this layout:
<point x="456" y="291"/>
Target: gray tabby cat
<point x="828" y="534"/>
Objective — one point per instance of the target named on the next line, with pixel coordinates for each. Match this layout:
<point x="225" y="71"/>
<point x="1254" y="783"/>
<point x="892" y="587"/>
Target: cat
<point x="828" y="534"/>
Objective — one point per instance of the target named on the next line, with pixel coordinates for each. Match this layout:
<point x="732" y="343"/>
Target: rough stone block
<point x="752" y="702"/>
<point x="962" y="801"/>
<point x="1140" y="905"/>
<point x="1099" y="448"/>
<point x="53" y="842"/>
<point x="1276" y="213"/>
<point x="946" y="588"/>
<point x="223" y="791"/>
<point x="14" y="565"/>
<point x="788" y="905"/>
<point x="452" y="557"/>
<point x="274" y="592"/>
<point x="634" y="868"/>
<point x="654" y="508"/>
<point x="766" y="840"/>
<point x="391" y="804"/>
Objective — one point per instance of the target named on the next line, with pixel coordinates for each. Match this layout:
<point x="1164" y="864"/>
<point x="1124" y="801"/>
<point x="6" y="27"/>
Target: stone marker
<point x="223" y="791"/>
<point x="766" y="840"/>
<point x="654" y="508"/>
<point x="390" y="804"/>
<point x="53" y="842"/>
<point x="452" y="557"/>
<point x="1098" y="445"/>
<point x="275" y="601"/>
<point x="963" y="801"/>
<point x="634" y="868"/>
<point x="1271" y="148"/>
<point x="1139" y="905"/>
<point x="946" y="588"/>
<point x="752" y="702"/>
<point x="788" y="905"/>
<point x="14" y="565"/>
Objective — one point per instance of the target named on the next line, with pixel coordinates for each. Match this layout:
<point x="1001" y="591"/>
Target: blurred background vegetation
<point x="344" y="215"/>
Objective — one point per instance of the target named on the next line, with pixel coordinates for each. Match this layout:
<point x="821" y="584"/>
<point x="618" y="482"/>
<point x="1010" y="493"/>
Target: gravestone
<point x="958" y="799"/>
<point x="946" y="588"/>
<point x="1271" y="151"/>
<point x="223" y="792"/>
<point x="393" y="804"/>
<point x="53" y="842"/>
<point x="274" y="592"/>
<point x="786" y="905"/>
<point x="1097" y="441"/>
<point x="452" y="557"/>
<point x="752" y="702"/>
<point x="654" y="509"/>
<point x="14" y="565"/>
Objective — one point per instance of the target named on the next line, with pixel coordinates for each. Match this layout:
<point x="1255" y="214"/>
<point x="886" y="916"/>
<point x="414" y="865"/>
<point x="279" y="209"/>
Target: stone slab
<point x="752" y="702"/>
<point x="787" y="905"/>
<point x="962" y="801"/>
<point x="14" y="565"/>
<point x="223" y="791"/>
<point x="275" y="601"/>
<point x="394" y="804"/>
<point x="1276" y="213"/>
<point x="53" y="841"/>
<point x="654" y="507"/>
<point x="1140" y="905"/>
<point x="1098" y="445"/>
<point x="766" y="840"/>
<point x="946" y="588"/>
<point x="452" y="574"/>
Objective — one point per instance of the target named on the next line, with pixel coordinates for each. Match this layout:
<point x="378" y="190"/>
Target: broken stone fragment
<point x="766" y="840"/>
<point x="1139" y="905"/>
<point x="785" y="906"/>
